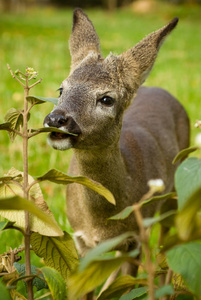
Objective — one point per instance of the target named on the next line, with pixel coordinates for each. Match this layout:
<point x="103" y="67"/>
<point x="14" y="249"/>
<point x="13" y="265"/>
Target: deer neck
<point x="105" y="166"/>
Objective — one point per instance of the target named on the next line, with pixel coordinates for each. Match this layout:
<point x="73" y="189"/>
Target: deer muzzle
<point x="58" y="140"/>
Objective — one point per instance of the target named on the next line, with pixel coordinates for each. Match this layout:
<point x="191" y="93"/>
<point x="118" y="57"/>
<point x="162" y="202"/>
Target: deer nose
<point x="55" y="120"/>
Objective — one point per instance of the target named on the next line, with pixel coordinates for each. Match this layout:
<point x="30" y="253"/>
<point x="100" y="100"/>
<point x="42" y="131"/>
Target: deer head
<point x="95" y="95"/>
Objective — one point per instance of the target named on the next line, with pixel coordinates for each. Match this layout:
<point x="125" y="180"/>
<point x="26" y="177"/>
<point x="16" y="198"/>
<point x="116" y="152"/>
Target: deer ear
<point x="83" y="38"/>
<point x="137" y="62"/>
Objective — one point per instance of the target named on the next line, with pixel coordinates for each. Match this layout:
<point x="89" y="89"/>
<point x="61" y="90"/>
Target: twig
<point x="22" y="77"/>
<point x="17" y="228"/>
<point x="169" y="277"/>
<point x="35" y="83"/>
<point x="15" y="76"/>
<point x="26" y="194"/>
<point x="30" y="185"/>
<point x="15" y="131"/>
<point x="16" y="251"/>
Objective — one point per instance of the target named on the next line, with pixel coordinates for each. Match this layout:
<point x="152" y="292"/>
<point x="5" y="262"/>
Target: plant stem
<point x="26" y="194"/>
<point x="144" y="237"/>
<point x="26" y="135"/>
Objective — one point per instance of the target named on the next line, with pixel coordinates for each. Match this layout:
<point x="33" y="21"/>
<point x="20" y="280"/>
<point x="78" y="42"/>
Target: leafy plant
<point x="23" y="206"/>
<point x="169" y="268"/>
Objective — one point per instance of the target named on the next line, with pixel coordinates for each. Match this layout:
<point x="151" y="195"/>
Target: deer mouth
<point x="62" y="141"/>
<point x="61" y="136"/>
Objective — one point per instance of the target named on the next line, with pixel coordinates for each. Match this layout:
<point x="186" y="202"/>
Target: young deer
<point x="120" y="143"/>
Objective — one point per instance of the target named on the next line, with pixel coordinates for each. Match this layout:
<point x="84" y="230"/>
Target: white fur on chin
<point x="63" y="144"/>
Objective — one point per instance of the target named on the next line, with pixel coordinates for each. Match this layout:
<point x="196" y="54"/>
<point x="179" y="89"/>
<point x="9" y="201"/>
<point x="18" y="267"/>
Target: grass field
<point x="38" y="39"/>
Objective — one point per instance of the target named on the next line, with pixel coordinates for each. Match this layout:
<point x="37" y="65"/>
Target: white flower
<point x="156" y="184"/>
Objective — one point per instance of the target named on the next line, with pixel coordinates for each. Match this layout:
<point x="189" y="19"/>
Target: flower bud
<point x="157" y="185"/>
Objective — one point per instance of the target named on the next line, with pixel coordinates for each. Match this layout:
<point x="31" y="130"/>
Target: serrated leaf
<point x="61" y="178"/>
<point x="58" y="252"/>
<point x="55" y="282"/>
<point x="135" y="293"/>
<point x="38" y="282"/>
<point x="186" y="260"/>
<point x="19" y="205"/>
<point x="46" y="223"/>
<point x="119" y="286"/>
<point x="102" y="248"/>
<point x="15" y="118"/>
<point x="96" y="273"/>
<point x="182" y="154"/>
<point x="147" y="222"/>
<point x="40" y="100"/>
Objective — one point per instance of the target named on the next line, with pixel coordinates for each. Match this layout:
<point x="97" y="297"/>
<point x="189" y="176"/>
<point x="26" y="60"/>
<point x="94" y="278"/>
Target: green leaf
<point x="102" y="248"/>
<point x="55" y="282"/>
<point x="187" y="219"/>
<point x="164" y="291"/>
<point x="12" y="188"/>
<point x="5" y="126"/>
<point x="188" y="186"/>
<point x="9" y="178"/>
<point x="135" y="293"/>
<point x="18" y="203"/>
<point x="186" y="260"/>
<point x="51" y="129"/>
<point x="96" y="273"/>
<point x="151" y="221"/>
<point x="6" y="224"/>
<point x="40" y="100"/>
<point x="58" y="252"/>
<point x="182" y="154"/>
<point x="38" y="282"/>
<point x="129" y="209"/>
<point x="123" y="214"/>
<point x="187" y="180"/>
<point x="119" y="286"/>
<point x="159" y="198"/>
<point x="4" y="292"/>
<point x="15" y="118"/>
<point x="61" y="178"/>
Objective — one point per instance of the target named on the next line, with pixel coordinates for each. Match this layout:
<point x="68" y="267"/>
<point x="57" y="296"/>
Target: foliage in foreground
<point x="170" y="269"/>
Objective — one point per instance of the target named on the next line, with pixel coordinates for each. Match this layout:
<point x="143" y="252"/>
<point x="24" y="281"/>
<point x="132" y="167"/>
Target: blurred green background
<point x="37" y="36"/>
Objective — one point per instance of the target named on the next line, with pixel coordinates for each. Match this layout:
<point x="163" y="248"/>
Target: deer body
<point x="144" y="152"/>
<point x="122" y="142"/>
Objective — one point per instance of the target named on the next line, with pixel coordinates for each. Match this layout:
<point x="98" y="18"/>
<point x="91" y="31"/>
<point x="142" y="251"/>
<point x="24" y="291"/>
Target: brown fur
<point x="122" y="149"/>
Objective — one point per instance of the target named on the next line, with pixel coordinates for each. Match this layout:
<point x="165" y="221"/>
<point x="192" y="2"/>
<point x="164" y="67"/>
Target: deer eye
<point x="107" y="101"/>
<point x="60" y="91"/>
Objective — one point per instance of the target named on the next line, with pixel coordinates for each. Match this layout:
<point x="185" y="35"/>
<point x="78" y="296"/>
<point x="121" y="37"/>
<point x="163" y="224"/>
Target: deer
<point x="125" y="134"/>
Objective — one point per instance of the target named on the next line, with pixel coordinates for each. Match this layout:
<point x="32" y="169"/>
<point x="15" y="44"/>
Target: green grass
<point x="38" y="39"/>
